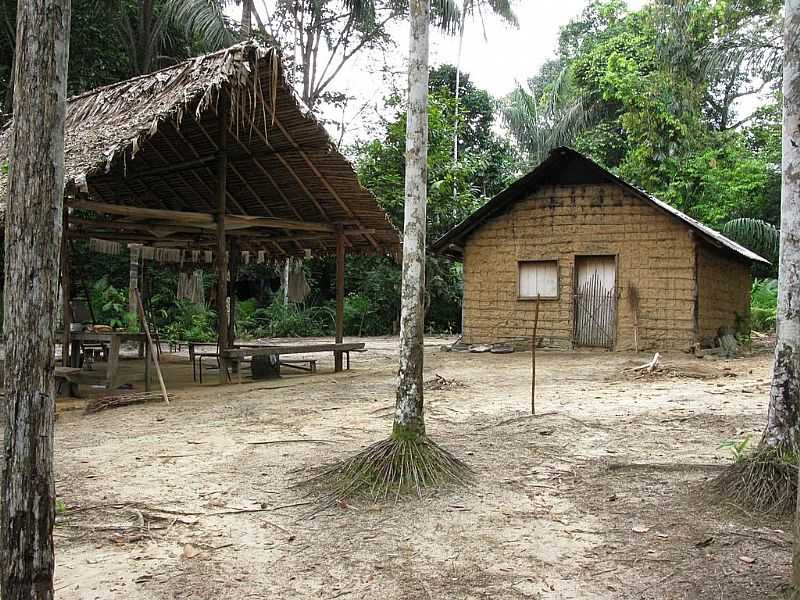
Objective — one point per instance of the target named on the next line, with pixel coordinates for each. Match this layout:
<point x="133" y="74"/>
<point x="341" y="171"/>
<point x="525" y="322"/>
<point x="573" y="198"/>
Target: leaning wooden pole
<point x="151" y="349"/>
<point x="533" y="356"/>
<point x="33" y="229"/>
<point x="222" y="246"/>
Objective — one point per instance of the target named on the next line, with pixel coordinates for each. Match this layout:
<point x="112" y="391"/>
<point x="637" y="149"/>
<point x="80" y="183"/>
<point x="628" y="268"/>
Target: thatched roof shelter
<point x="213" y="159"/>
<point x="144" y="155"/>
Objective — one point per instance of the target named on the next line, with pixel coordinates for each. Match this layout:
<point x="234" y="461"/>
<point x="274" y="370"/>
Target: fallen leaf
<point x="747" y="559"/>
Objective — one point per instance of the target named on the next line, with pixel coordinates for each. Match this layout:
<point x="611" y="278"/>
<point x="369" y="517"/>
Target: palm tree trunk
<point x="784" y="398"/>
<point x="784" y="402"/>
<point x="32" y="241"/>
<point x="464" y="9"/>
<point x="409" y="419"/>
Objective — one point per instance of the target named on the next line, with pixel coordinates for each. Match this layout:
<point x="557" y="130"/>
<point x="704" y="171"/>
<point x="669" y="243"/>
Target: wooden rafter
<point x="202" y="220"/>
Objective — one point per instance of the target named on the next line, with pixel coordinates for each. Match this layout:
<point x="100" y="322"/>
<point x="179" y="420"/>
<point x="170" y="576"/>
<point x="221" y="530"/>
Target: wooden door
<point x="595" y="314"/>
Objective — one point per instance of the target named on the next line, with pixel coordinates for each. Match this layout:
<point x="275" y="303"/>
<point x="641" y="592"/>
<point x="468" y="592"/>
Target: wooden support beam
<point x="66" y="285"/>
<point x="339" y="297"/>
<point x="203" y="220"/>
<point x="234" y="258"/>
<point x="203" y="162"/>
<point x="222" y="246"/>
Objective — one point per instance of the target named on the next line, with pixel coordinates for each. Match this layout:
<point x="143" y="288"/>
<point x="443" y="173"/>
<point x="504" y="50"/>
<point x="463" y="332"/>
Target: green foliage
<point x="737" y="448"/>
<point x="486" y="162"/>
<point x="764" y="304"/>
<point x="289" y="320"/>
<point x="486" y="165"/>
<point x="756" y="234"/>
<point x="654" y="96"/>
<point x="190" y="322"/>
<point x="110" y="306"/>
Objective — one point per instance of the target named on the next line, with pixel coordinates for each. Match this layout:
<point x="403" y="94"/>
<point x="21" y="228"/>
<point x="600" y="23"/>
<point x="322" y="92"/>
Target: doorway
<point x="595" y="323"/>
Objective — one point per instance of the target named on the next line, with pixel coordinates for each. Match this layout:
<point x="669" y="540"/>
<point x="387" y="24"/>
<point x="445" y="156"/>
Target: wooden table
<point x="114" y="339"/>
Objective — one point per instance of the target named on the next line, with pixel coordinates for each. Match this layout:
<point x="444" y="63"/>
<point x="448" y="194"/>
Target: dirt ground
<point x="599" y="496"/>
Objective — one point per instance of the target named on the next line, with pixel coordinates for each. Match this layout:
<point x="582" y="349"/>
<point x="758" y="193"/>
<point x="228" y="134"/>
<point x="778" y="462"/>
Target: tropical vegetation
<point x="682" y="99"/>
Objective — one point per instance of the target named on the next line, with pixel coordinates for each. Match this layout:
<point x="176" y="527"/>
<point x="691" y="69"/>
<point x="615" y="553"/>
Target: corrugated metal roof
<point x="559" y="159"/>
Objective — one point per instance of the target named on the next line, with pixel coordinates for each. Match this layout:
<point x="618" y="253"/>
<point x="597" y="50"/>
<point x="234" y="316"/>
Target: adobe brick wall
<point x="655" y="253"/>
<point x="724" y="292"/>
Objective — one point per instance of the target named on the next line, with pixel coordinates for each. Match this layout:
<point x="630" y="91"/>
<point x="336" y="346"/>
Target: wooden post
<point x="66" y="285"/>
<point x="533" y="356"/>
<point x="133" y="276"/>
<point x="234" y="258"/>
<point x="222" y="246"/>
<point x="337" y="356"/>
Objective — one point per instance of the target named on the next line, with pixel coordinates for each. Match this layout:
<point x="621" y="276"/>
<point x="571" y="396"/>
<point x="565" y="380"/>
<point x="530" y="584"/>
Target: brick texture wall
<point x="724" y="292"/>
<point x="655" y="252"/>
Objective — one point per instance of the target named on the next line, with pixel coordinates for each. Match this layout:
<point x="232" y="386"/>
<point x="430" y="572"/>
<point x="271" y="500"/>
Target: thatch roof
<point x="567" y="166"/>
<point x="151" y="142"/>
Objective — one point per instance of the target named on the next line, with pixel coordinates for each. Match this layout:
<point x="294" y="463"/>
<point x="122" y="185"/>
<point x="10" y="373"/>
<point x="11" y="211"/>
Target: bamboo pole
<point x="150" y="348"/>
<point x="533" y="356"/>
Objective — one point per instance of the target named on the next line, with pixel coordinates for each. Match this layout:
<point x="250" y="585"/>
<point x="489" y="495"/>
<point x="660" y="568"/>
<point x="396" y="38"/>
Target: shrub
<point x="764" y="304"/>
<point x="292" y="320"/>
<point x="190" y="322"/>
<point x="110" y="305"/>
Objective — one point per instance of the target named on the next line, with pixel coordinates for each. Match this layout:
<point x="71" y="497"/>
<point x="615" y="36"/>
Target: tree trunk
<point x="409" y="417"/>
<point x="784" y="397"/>
<point x="32" y="244"/>
<point x="247" y="19"/>
<point x="784" y="401"/>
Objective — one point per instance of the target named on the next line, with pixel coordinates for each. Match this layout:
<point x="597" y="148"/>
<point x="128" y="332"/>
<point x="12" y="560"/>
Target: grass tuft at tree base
<point x="389" y="470"/>
<point x="764" y="480"/>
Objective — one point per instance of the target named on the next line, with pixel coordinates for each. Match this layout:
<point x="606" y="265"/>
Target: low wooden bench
<point x="309" y="365"/>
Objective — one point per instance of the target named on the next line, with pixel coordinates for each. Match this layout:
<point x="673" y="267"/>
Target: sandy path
<point x="596" y="498"/>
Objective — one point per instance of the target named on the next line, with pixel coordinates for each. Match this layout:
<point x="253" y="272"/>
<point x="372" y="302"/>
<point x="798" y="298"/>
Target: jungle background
<point x="681" y="98"/>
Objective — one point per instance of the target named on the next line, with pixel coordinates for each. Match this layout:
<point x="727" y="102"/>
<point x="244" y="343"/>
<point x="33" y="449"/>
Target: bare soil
<point x="601" y="495"/>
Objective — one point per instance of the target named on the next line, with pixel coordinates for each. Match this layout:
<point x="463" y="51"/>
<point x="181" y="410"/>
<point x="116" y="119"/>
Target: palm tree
<point x="548" y="112"/>
<point x="408" y="461"/>
<point x="756" y="234"/>
<point x="501" y="8"/>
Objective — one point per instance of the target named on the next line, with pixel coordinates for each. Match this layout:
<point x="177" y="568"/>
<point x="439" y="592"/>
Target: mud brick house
<point x="612" y="266"/>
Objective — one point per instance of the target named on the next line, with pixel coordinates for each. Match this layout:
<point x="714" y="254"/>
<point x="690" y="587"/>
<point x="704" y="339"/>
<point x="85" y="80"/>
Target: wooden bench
<point x="234" y="356"/>
<point x="309" y="365"/>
